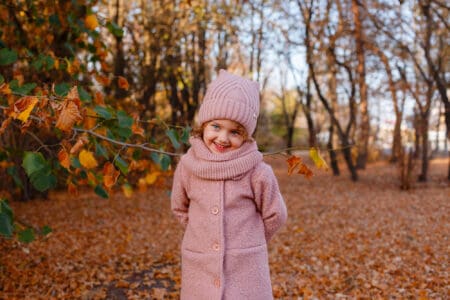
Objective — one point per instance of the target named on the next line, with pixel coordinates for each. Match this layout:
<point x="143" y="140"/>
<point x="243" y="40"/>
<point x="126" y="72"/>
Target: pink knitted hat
<point x="231" y="97"/>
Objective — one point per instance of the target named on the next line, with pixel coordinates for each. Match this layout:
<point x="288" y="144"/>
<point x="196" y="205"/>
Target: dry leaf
<point x="22" y="108"/>
<point x="304" y="170"/>
<point x="293" y="162"/>
<point x="69" y="111"/>
<point x="110" y="175"/>
<point x="64" y="158"/>
<point x="82" y="140"/>
<point x="318" y="159"/>
<point x="123" y="83"/>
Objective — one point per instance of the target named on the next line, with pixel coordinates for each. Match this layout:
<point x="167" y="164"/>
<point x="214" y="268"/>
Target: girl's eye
<point x="235" y="132"/>
<point x="215" y="126"/>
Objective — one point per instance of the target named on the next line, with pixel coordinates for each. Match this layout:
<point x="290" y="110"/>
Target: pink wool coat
<point x="231" y="206"/>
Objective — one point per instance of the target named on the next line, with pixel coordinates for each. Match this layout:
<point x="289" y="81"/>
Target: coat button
<point x="214" y="210"/>
<point x="216" y="247"/>
<point x="217" y="282"/>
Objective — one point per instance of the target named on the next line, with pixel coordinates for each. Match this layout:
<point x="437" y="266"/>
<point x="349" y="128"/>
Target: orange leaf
<point x="91" y="178"/>
<point x="64" y="159"/>
<point x="4" y="89"/>
<point x="103" y="80"/>
<point x="87" y="159"/>
<point x="99" y="99"/>
<point x="70" y="111"/>
<point x="123" y="83"/>
<point x="110" y="175"/>
<point x="293" y="162"/>
<point x="304" y="170"/>
<point x="5" y="125"/>
<point x="90" y="120"/>
<point x="91" y="22"/>
<point x="72" y="188"/>
<point x="136" y="129"/>
<point x="23" y="107"/>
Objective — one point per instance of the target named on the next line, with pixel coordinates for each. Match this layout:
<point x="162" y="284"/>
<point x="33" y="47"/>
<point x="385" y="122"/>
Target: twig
<point x="140" y="146"/>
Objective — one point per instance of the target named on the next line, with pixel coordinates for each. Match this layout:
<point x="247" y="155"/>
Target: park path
<point x="343" y="240"/>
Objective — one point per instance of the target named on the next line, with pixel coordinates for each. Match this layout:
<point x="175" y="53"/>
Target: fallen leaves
<point x="343" y="240"/>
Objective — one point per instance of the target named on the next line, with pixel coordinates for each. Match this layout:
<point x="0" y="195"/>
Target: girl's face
<point x="222" y="136"/>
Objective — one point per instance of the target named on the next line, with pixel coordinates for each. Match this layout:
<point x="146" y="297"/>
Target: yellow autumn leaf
<point x="87" y="159"/>
<point x="23" y="107"/>
<point x="91" y="22"/>
<point x="318" y="159"/>
<point x="127" y="190"/>
<point x="151" y="178"/>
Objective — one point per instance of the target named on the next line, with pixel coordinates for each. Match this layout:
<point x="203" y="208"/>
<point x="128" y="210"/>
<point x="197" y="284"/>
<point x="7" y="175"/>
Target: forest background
<point x="103" y="94"/>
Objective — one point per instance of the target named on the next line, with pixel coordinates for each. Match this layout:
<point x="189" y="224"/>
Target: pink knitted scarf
<point x="230" y="165"/>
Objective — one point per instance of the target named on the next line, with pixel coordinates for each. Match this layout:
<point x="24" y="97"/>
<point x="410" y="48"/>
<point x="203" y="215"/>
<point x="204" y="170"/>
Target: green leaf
<point x="104" y="112"/>
<point x="23" y="90"/>
<point x="5" y="209"/>
<point x="185" y="135"/>
<point x="39" y="171"/>
<point x="125" y="121"/>
<point x="38" y="63"/>
<point x="162" y="160"/>
<point x="2" y="79"/>
<point x="62" y="89"/>
<point x="75" y="162"/>
<point x="165" y="162"/>
<point x="50" y="62"/>
<point x="124" y="132"/>
<point x="54" y="20"/>
<point x="43" y="181"/>
<point x="6" y="227"/>
<point x="46" y="230"/>
<point x="7" y="56"/>
<point x="84" y="95"/>
<point x="33" y="162"/>
<point x="173" y="136"/>
<point x="114" y="29"/>
<point x="6" y="219"/>
<point x="99" y="190"/>
<point x="101" y="151"/>
<point x="26" y="236"/>
<point x="121" y="164"/>
<point x="12" y="171"/>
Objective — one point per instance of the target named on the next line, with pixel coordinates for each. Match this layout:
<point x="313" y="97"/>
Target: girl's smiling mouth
<point x="220" y="147"/>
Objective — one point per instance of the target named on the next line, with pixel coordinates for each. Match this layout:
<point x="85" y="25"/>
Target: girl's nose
<point x="223" y="136"/>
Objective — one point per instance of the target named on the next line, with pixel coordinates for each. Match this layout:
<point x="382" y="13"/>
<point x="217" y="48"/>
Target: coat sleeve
<point x="178" y="199"/>
<point x="269" y="200"/>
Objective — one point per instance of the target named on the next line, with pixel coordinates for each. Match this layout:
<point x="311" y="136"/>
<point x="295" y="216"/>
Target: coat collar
<point x="230" y="165"/>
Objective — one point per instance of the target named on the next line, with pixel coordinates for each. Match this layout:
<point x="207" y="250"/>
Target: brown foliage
<point x="366" y="240"/>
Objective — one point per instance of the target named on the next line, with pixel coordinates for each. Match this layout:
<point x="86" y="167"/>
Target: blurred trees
<point x="141" y="69"/>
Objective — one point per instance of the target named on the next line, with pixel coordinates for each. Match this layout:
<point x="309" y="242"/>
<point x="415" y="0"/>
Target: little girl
<point x="227" y="198"/>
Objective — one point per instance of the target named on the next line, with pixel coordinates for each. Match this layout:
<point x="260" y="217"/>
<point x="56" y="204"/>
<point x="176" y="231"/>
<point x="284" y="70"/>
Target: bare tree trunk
<point x="425" y="159"/>
<point x="307" y="110"/>
<point x="363" y="138"/>
<point x="332" y="151"/>
<point x="119" y="60"/>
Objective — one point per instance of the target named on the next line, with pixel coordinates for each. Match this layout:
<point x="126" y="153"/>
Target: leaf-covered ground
<point x="343" y="240"/>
